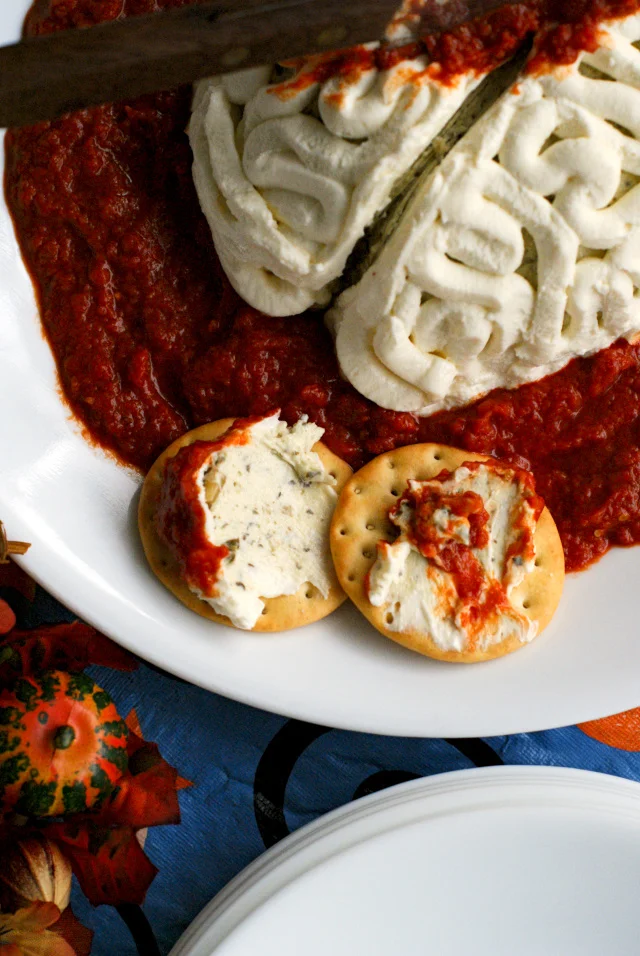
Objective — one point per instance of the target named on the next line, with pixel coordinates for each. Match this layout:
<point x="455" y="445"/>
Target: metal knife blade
<point x="478" y="102"/>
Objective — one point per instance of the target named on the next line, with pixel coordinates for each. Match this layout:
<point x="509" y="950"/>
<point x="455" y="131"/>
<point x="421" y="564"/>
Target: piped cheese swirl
<point x="521" y="252"/>
<point x="290" y="173"/>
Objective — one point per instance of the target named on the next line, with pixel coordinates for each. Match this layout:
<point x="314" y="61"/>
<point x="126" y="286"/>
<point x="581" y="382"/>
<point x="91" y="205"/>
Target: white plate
<point x="495" y="862"/>
<point x="77" y="507"/>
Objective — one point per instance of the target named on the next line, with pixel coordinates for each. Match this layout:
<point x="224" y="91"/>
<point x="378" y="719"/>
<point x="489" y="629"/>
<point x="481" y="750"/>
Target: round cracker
<point x="361" y="520"/>
<point x="280" y="613"/>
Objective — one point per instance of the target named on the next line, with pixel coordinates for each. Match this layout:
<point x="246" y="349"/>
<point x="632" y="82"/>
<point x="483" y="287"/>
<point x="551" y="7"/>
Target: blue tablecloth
<point x="257" y="777"/>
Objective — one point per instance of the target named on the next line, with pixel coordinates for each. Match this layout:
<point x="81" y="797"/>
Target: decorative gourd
<point x="63" y="745"/>
<point x="33" y="870"/>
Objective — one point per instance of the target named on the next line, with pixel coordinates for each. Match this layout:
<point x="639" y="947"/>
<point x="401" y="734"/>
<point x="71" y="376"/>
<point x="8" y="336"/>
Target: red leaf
<point x="136" y="741"/>
<point x="132" y="722"/>
<point x="147" y="794"/>
<point x="7" y="618"/>
<point x="74" y="932"/>
<point x="68" y="647"/>
<point x="11" y="576"/>
<point x="110" y="864"/>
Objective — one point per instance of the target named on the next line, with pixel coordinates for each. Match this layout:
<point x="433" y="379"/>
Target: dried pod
<point x="31" y="869"/>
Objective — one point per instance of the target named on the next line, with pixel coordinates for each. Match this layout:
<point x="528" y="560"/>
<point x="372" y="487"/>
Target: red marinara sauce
<point x="150" y="340"/>
<point x="442" y="548"/>
<point x="481" y="598"/>
<point x="181" y="518"/>
<point x="564" y="29"/>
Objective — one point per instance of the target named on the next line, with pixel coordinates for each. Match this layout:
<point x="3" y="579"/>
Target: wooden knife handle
<point x="45" y="77"/>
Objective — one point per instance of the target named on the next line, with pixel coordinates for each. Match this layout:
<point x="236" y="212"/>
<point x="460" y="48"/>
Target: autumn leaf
<point x="133" y="723"/>
<point x="7" y="618"/>
<point x="26" y="933"/>
<point x="69" y="647"/>
<point x="74" y="932"/>
<point x="109" y="863"/>
<point x="146" y="796"/>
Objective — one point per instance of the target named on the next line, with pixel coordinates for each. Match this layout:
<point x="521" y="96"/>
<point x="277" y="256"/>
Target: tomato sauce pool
<point x="150" y="340"/>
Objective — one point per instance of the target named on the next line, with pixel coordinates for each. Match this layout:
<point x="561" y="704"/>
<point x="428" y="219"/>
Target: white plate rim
<point x="439" y="795"/>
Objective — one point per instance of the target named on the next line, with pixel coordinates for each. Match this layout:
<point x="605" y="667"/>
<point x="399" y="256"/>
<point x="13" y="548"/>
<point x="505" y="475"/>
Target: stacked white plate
<point x="524" y="861"/>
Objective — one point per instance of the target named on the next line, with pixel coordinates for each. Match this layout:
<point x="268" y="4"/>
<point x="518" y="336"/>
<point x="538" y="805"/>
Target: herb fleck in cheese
<point x="270" y="502"/>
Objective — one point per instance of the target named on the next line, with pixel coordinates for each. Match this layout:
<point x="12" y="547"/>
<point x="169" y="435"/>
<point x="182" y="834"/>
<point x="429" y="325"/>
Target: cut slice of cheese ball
<point x="291" y="165"/>
<point x="234" y="519"/>
<point x="449" y="553"/>
<point x="521" y="252"/>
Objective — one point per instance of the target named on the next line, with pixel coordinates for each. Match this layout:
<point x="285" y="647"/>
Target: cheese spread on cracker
<point x="250" y="520"/>
<point x="290" y="169"/>
<point x="522" y="250"/>
<point x="466" y="542"/>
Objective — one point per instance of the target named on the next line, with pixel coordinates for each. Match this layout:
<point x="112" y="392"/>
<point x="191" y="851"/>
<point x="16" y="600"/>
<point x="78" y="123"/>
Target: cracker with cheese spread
<point x="234" y="519"/>
<point x="449" y="553"/>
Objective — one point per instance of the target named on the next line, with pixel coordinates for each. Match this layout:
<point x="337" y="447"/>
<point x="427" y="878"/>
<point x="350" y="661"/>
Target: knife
<point x="44" y="77"/>
<point x="476" y="104"/>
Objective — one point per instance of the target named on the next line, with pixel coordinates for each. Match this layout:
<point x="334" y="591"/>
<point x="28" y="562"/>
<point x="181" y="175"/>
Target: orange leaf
<point x="69" y="647"/>
<point x="132" y="722"/>
<point x="110" y="864"/>
<point x="11" y="576"/>
<point x="621" y="730"/>
<point x="74" y="932"/>
<point x="146" y="796"/>
<point x="7" y="618"/>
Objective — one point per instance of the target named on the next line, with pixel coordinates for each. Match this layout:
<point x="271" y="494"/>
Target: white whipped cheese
<point x="521" y="252"/>
<point x="422" y="596"/>
<point x="270" y="501"/>
<point x="289" y="173"/>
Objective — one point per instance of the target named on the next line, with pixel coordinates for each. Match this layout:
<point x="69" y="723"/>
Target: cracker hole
<point x="538" y="563"/>
<point x="309" y="594"/>
<point x="396" y="606"/>
<point x="357" y="491"/>
<point x="367" y="554"/>
<point x="392" y="464"/>
<point x="351" y="577"/>
<point x="395" y="492"/>
<point x="343" y="531"/>
<point x="332" y="474"/>
<point x="526" y="605"/>
<point x="371" y="526"/>
<point x="389" y="618"/>
<point x="437" y="457"/>
<point x="264" y="611"/>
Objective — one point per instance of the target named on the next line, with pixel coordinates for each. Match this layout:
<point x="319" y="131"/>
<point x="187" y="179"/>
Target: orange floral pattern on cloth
<point x="621" y="730"/>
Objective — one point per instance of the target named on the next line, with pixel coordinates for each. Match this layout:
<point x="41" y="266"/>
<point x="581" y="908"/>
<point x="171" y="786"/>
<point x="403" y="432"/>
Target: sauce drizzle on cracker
<point x="425" y="587"/>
